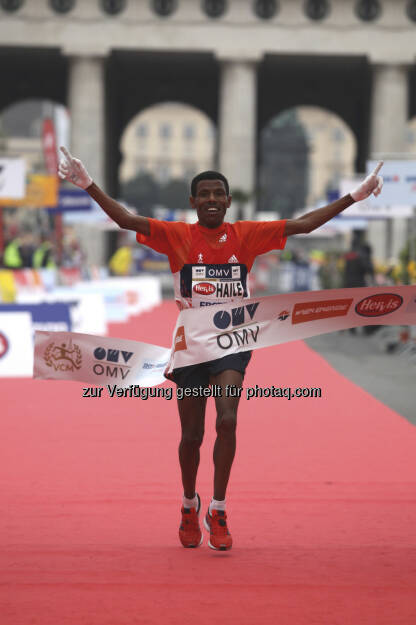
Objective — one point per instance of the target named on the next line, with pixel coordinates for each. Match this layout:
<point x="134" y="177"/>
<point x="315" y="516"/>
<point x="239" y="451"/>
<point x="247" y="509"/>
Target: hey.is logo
<point x="379" y="305"/>
<point x="112" y="363"/>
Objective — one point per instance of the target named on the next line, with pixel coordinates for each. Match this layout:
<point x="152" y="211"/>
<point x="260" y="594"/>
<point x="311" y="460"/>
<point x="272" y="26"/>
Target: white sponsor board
<point x="212" y="332"/>
<point x="16" y="344"/>
<point x="88" y="313"/>
<point x="98" y="360"/>
<point x="369" y="208"/>
<point x="125" y="296"/>
<point x="399" y="186"/>
<point x="12" y="178"/>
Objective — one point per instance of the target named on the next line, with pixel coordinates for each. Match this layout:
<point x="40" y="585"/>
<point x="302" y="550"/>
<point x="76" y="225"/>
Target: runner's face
<point x="211" y="202"/>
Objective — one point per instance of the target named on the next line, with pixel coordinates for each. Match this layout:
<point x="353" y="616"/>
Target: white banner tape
<point x="214" y="331"/>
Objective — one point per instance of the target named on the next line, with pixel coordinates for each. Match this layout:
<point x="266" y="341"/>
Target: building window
<point x="317" y="9"/>
<point x="411" y="10"/>
<point x="164" y="7"/>
<point x="62" y="6"/>
<point x="142" y="130"/>
<point x="368" y="10"/>
<point x="11" y="5"/>
<point x="112" y="7"/>
<point x="189" y="132"/>
<point x="165" y="131"/>
<point x="266" y="9"/>
<point x="214" y="8"/>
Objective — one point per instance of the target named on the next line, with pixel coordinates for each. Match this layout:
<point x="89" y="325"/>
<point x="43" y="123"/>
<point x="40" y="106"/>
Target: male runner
<point x="195" y="250"/>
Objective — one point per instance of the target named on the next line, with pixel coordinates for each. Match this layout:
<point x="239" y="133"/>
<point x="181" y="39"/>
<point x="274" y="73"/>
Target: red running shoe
<point x="190" y="533"/>
<point x="219" y="536"/>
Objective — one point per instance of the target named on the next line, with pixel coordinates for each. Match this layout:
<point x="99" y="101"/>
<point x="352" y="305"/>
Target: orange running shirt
<point x="210" y="265"/>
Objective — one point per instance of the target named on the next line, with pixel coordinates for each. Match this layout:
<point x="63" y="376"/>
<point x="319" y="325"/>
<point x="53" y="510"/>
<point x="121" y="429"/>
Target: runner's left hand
<point x="372" y="184"/>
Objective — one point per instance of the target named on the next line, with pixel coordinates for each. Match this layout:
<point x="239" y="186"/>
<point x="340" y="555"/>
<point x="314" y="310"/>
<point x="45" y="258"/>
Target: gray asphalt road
<point x="391" y="378"/>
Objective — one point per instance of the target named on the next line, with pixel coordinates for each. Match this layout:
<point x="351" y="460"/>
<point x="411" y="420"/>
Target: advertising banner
<point x="16" y="344"/>
<point x="125" y="296"/>
<point x="375" y="208"/>
<point x="399" y="183"/>
<point x="211" y="332"/>
<point x="41" y="191"/>
<point x="12" y="178"/>
<point x="49" y="146"/>
<point x="71" y="200"/>
<point x="87" y="310"/>
<point x="55" y="317"/>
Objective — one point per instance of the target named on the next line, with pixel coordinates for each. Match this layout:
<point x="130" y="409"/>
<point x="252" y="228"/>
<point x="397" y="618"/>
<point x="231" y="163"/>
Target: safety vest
<point x="12" y="257"/>
<point x="39" y="256"/>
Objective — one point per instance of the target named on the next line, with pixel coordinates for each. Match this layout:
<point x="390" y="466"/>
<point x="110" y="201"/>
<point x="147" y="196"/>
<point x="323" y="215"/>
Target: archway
<point x="303" y="154"/>
<point x="163" y="147"/>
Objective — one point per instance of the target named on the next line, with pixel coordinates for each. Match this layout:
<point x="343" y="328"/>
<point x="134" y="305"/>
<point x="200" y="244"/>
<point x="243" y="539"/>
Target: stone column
<point x="389" y="112"/>
<point x="389" y="109"/>
<point x="237" y="128"/>
<point x="86" y="106"/>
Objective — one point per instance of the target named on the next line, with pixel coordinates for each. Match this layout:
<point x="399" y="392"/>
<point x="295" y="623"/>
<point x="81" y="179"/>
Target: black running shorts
<point x="199" y="375"/>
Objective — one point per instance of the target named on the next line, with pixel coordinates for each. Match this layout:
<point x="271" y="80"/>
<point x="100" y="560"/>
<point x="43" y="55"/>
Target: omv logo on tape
<point x="112" y="362"/>
<point x="4" y="344"/>
<point x="222" y="319"/>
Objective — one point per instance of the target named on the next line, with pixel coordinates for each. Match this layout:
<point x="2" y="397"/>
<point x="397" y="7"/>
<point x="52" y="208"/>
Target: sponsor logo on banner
<point x="412" y="305"/>
<point x="180" y="341"/>
<point x="112" y="362"/>
<point x="379" y="305"/>
<point x="313" y="311"/>
<point x="222" y="319"/>
<point x="4" y="345"/>
<point x="244" y="336"/>
<point x="204" y="288"/>
<point x="154" y="365"/>
<point x="63" y="357"/>
<point x="283" y="315"/>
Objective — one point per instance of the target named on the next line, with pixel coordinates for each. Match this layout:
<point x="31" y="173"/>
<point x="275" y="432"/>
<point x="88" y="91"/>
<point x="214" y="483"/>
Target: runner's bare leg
<point x="192" y="415"/>
<point x="225" y="444"/>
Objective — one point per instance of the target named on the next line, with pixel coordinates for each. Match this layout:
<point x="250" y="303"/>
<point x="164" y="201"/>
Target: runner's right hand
<point x="72" y="169"/>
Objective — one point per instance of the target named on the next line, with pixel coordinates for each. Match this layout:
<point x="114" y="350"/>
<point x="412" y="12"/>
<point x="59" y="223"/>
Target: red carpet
<point x="322" y="505"/>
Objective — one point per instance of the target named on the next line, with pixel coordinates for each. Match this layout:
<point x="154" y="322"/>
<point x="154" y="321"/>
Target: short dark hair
<point x="209" y="175"/>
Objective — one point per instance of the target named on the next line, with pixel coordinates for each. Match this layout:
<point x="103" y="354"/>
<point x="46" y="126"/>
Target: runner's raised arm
<point x="73" y="170"/>
<point x="309" y="222"/>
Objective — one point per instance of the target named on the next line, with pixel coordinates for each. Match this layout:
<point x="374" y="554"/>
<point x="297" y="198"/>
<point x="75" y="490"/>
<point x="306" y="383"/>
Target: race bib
<point x="205" y="285"/>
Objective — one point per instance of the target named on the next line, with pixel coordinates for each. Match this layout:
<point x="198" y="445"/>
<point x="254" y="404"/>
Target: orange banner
<point x="41" y="191"/>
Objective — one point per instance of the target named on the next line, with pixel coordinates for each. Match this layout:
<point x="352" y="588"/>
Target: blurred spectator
<point x="43" y="256"/>
<point x="331" y="271"/>
<point x="121" y="262"/>
<point x="358" y="269"/>
<point x="72" y="254"/>
<point x="18" y="253"/>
